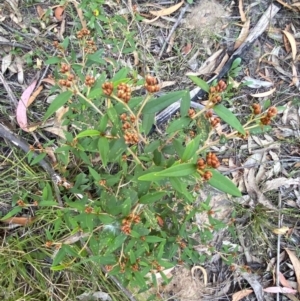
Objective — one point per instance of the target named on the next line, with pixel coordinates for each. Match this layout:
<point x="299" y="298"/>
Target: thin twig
<point x="183" y="10"/>
<point x="15" y="44"/>
<point x="278" y="243"/>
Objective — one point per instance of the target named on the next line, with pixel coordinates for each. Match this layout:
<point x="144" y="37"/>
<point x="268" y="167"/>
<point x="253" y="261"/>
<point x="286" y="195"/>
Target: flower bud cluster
<point x="108" y="88"/>
<point x="124" y="92"/>
<point x="214" y="121"/>
<point x="151" y="84"/>
<point x="83" y="33"/>
<point x="214" y="92"/>
<point x="256" y="109"/>
<point x="211" y="162"/>
<point x="89" y="81"/>
<point x="130" y="134"/>
<point x="127" y="222"/>
<point x="266" y="119"/>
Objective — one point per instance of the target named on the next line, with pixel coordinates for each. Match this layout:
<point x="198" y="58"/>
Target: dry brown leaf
<point x="80" y="13"/>
<point x="34" y="95"/>
<point x="296" y="265"/>
<point x="243" y="34"/>
<point x="40" y="11"/>
<point x="292" y="41"/>
<point x="281" y="231"/>
<point x="150" y="21"/>
<point x="198" y="267"/>
<point x="209" y="65"/>
<point x="274" y="184"/>
<point x="241" y="294"/>
<point x="167" y="11"/>
<point x="22" y="221"/>
<point x="264" y="94"/>
<point x="136" y="58"/>
<point x="186" y="49"/>
<point x="6" y="62"/>
<point x="58" y="13"/>
<point x="285" y="4"/>
<point x="241" y="10"/>
<point x="19" y="64"/>
<point x="50" y="81"/>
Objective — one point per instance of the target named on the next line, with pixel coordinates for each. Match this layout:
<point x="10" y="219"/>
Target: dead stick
<point x="183" y="10"/>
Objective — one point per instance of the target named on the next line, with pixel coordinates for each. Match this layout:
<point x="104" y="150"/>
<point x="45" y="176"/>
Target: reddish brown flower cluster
<point x="65" y="68"/>
<point x="108" y="88"/>
<point x="157" y="266"/>
<point x="83" y="33"/>
<point x="124" y="92"/>
<point x="130" y="134"/>
<point x="151" y="84"/>
<point x="127" y="222"/>
<point x="89" y="81"/>
<point x="214" y="92"/>
<point x="191" y="113"/>
<point x="58" y="46"/>
<point x="211" y="161"/>
<point x="90" y="47"/>
<point x="214" y="121"/>
<point x="256" y="109"/>
<point x="88" y="210"/>
<point x="272" y="112"/>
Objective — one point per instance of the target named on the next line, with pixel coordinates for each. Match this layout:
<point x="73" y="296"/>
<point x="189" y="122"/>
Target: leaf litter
<point x="258" y="175"/>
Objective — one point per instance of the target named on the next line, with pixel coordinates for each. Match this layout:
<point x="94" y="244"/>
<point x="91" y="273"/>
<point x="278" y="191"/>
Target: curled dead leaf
<point x="241" y="294"/>
<point x="264" y="94"/>
<point x="281" y="231"/>
<point x="58" y="13"/>
<point x="296" y="264"/>
<point x="292" y="41"/>
<point x="167" y="11"/>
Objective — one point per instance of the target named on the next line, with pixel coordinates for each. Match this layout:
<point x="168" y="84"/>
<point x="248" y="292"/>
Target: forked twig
<point x="182" y="12"/>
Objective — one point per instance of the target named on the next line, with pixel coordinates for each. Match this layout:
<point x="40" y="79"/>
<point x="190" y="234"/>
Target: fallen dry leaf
<point x="79" y="13"/>
<point x="22" y="221"/>
<point x="281" y="231"/>
<point x="198" y="267"/>
<point x="241" y="294"/>
<point x="243" y="34"/>
<point x="274" y="184"/>
<point x="167" y="11"/>
<point x="292" y="41"/>
<point x="6" y="61"/>
<point x="186" y="49"/>
<point x="296" y="265"/>
<point x="40" y="11"/>
<point x="264" y="94"/>
<point x="21" y="112"/>
<point x="283" y="281"/>
<point x="19" y="65"/>
<point x="58" y="13"/>
<point x="34" y="95"/>
<point x="279" y="289"/>
<point x="241" y="11"/>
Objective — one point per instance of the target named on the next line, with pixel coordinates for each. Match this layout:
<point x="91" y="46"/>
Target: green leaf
<point x="185" y="103"/>
<point x="126" y="207"/>
<point x="97" y="57"/>
<point x="179" y="170"/>
<point x="53" y="60"/>
<point x="236" y="63"/>
<point x="113" y="116"/>
<point x="94" y="174"/>
<point x="103" y="123"/>
<point x="223" y="183"/>
<point x="132" y="256"/>
<point x="38" y="158"/>
<point x="57" y="103"/>
<point x="178" y="124"/>
<point x="121" y="74"/>
<point x="200" y="83"/>
<point x="190" y="149"/>
<point x="148" y="122"/>
<point x="60" y="255"/>
<point x="14" y="211"/>
<point x="116" y="148"/>
<point x="103" y="147"/>
<point x="158" y="104"/>
<point x="152" y="197"/>
<point x="229" y="117"/>
<point x="154" y="239"/>
<point x="88" y="133"/>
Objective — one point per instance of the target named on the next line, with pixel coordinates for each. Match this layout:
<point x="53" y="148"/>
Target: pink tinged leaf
<point x="278" y="289"/>
<point x="21" y="112"/>
<point x="283" y="281"/>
